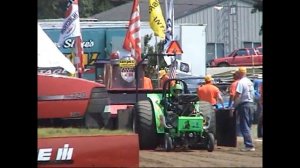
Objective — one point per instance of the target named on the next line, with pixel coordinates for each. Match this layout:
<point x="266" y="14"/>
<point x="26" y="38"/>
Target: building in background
<point x="230" y="23"/>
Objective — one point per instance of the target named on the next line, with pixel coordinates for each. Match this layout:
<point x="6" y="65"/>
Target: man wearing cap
<point x="163" y="76"/>
<point x="232" y="87"/>
<point x="232" y="91"/>
<point x="243" y="103"/>
<point x="209" y="92"/>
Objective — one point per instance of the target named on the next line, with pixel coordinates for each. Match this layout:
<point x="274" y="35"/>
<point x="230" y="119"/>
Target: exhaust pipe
<point x="163" y="122"/>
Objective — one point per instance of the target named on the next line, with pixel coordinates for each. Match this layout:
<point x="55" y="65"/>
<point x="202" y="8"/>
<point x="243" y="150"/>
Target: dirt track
<point x="220" y="157"/>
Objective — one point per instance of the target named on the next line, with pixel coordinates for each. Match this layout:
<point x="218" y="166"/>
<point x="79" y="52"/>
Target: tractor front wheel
<point x="168" y="142"/>
<point x="210" y="142"/>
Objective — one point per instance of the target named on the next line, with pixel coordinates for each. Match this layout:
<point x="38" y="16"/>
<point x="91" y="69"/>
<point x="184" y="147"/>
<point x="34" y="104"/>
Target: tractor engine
<point x="172" y="119"/>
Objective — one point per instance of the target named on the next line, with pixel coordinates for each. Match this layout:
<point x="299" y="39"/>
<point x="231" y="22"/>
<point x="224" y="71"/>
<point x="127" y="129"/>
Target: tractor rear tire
<point x="208" y="111"/>
<point x="145" y="125"/>
<point x="210" y="142"/>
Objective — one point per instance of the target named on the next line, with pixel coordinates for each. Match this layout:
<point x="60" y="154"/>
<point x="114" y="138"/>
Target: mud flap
<point x="125" y="119"/>
<point x="226" y="128"/>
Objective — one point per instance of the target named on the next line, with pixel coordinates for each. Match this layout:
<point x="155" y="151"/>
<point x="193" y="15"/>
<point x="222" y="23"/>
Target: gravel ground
<point x="220" y="157"/>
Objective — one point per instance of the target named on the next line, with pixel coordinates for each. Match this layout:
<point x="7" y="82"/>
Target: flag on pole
<point x="79" y="55"/>
<point x="71" y="25"/>
<point x="132" y="40"/>
<point x="169" y="37"/>
<point x="71" y="28"/>
<point x="170" y="23"/>
<point x="156" y="19"/>
<point x="169" y="31"/>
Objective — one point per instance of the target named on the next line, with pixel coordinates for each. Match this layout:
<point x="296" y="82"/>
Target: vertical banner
<point x="156" y="19"/>
<point x="169" y="37"/>
<point x="71" y="28"/>
<point x="132" y="40"/>
<point x="170" y="23"/>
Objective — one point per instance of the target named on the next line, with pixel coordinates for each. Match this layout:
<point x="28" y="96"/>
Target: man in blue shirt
<point x="257" y="82"/>
<point x="243" y="102"/>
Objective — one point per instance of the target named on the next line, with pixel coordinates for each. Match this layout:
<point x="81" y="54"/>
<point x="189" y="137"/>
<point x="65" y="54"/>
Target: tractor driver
<point x="173" y="100"/>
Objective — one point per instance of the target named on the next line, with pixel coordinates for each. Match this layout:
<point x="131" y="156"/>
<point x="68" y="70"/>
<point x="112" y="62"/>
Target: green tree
<point x="100" y="6"/>
<point x="51" y="9"/>
<point x="55" y="9"/>
<point x="151" y="70"/>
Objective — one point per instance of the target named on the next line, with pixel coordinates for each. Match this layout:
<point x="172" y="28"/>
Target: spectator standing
<point x="232" y="87"/>
<point x="260" y="118"/>
<point x="257" y="82"/>
<point x="147" y="83"/>
<point x="232" y="91"/>
<point x="243" y="102"/>
<point x="209" y="92"/>
<point x="163" y="76"/>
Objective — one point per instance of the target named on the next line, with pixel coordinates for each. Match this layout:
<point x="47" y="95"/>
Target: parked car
<point x="239" y="57"/>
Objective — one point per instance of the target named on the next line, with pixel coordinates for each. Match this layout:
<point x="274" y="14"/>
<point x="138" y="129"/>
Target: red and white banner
<point x="132" y="40"/>
<point x="71" y="28"/>
<point x="71" y="25"/>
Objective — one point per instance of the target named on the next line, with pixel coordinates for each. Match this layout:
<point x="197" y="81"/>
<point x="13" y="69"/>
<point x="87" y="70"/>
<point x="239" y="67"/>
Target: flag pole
<point x="157" y="60"/>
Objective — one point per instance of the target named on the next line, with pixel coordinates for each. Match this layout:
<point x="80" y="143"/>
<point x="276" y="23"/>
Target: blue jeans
<point x="245" y="111"/>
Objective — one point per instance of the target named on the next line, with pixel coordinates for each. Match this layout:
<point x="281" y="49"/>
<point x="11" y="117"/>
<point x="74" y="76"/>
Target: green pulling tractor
<point x="161" y="116"/>
<point x="173" y="119"/>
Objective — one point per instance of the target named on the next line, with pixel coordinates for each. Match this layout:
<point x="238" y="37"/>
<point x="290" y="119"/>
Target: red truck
<point x="239" y="57"/>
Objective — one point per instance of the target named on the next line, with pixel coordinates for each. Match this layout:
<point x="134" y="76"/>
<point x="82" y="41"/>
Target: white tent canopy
<point x="49" y="55"/>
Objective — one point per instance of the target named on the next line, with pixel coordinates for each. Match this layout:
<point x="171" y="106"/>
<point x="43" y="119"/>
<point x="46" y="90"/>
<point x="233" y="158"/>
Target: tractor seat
<point x="187" y="98"/>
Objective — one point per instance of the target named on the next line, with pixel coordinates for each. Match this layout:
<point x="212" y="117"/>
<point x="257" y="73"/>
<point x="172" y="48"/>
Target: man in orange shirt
<point x="232" y="88"/>
<point x="232" y="91"/>
<point x="210" y="93"/>
<point x="147" y="83"/>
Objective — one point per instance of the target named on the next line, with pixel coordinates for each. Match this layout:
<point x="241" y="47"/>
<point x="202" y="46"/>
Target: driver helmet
<point x="177" y="89"/>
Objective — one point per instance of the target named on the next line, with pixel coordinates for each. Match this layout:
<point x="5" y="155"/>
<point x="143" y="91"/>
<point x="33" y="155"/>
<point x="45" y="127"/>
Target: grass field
<point x="61" y="132"/>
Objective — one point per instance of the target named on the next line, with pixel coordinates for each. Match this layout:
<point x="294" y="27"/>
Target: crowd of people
<point x="245" y="98"/>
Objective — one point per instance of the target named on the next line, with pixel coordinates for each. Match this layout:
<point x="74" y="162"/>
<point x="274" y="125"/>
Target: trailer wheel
<point x="145" y="125"/>
<point x="209" y="114"/>
<point x="168" y="142"/>
<point x="210" y="142"/>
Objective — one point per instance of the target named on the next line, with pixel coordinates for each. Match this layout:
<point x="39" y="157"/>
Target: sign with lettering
<point x="127" y="65"/>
